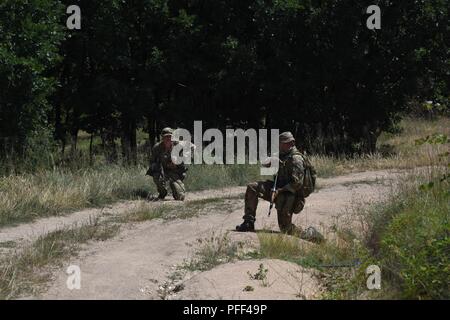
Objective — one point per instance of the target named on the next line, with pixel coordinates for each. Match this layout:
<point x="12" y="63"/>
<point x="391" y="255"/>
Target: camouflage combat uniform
<point x="290" y="198"/>
<point x="164" y="172"/>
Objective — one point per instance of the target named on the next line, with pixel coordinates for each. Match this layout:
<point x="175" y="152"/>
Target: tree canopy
<point x="309" y="66"/>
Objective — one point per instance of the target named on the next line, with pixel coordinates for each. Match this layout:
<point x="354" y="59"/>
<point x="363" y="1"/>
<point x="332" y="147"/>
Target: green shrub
<point x="415" y="245"/>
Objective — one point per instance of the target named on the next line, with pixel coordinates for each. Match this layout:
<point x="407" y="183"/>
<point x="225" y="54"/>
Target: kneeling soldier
<point x="163" y="170"/>
<point x="288" y="196"/>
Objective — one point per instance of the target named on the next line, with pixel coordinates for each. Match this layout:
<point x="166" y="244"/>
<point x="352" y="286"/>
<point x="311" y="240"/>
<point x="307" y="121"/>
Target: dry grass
<point x="213" y="251"/>
<point x="25" y="197"/>
<point x="394" y="151"/>
<point x="49" y="193"/>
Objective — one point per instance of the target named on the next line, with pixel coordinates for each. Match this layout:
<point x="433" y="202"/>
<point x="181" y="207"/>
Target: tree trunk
<point x="91" y="149"/>
<point x="152" y="134"/>
<point x="109" y="145"/>
<point x="369" y="138"/>
<point x="73" y="140"/>
<point x="133" y="142"/>
<point x="129" y="141"/>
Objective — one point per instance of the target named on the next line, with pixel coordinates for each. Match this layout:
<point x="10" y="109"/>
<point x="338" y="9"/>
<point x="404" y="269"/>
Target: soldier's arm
<point x="154" y="158"/>
<point x="298" y="172"/>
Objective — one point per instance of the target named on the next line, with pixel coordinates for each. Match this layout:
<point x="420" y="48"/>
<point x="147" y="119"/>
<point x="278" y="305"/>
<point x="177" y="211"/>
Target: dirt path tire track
<point x="138" y="261"/>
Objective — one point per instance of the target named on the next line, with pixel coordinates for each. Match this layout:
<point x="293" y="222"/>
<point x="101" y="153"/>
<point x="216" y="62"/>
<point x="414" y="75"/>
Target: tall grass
<point x="217" y="176"/>
<point x="394" y="150"/>
<point x="409" y="237"/>
<point x="48" y="193"/>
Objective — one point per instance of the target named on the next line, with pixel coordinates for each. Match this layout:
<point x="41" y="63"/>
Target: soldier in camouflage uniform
<point x="163" y="169"/>
<point x="288" y="197"/>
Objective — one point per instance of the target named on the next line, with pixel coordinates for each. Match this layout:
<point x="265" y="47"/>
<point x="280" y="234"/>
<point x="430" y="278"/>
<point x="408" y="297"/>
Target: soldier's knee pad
<point x="178" y="190"/>
<point x="179" y="186"/>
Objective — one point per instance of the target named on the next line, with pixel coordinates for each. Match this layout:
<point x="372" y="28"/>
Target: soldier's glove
<point x="267" y="163"/>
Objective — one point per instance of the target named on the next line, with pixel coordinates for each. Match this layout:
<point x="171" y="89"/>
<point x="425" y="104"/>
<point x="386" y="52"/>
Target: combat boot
<point x="157" y="198"/>
<point x="246" y="226"/>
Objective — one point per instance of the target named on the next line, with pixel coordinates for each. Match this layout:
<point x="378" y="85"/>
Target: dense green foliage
<point x="409" y="239"/>
<point x="415" y="246"/>
<point x="30" y="36"/>
<point x="308" y="66"/>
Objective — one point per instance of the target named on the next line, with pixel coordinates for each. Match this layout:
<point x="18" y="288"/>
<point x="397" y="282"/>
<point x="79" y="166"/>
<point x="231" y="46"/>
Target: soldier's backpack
<point x="309" y="179"/>
<point x="308" y="186"/>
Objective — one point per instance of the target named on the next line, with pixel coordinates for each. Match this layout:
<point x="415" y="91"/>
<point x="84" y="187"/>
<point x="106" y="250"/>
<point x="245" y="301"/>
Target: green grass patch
<point x="408" y="237"/>
<point x="411" y="241"/>
<point x="319" y="256"/>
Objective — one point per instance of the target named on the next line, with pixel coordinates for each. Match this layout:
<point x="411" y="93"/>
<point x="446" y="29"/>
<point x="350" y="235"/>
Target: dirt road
<point x="139" y="261"/>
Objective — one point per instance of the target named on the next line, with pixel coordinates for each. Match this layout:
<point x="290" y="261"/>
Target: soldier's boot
<point x="311" y="234"/>
<point x="161" y="187"/>
<point x="162" y="193"/>
<point x="161" y="196"/>
<point x="246" y="226"/>
<point x="254" y="189"/>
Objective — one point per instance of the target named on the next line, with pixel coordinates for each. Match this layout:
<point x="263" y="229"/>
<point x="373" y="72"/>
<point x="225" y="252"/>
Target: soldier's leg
<point x="161" y="186"/>
<point x="178" y="189"/>
<point x="255" y="190"/>
<point x="284" y="205"/>
<point x="285" y="202"/>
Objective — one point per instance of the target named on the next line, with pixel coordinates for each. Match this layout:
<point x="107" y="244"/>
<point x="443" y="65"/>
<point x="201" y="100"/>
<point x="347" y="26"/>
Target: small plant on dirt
<point x="249" y="288"/>
<point x="213" y="251"/>
<point x="261" y="275"/>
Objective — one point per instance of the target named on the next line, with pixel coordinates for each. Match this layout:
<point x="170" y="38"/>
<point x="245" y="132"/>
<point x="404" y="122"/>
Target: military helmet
<point x="286" y="137"/>
<point x="166" y="132"/>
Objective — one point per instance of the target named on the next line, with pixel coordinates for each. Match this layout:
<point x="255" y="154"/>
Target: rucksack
<point x="309" y="179"/>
